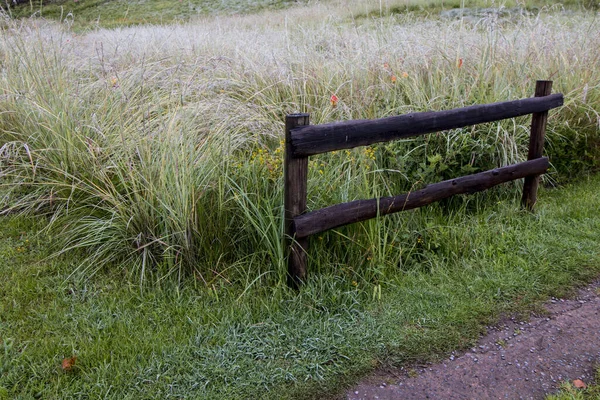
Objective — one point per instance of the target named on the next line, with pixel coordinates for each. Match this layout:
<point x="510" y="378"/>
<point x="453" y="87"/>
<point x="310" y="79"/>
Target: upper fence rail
<point x="315" y="139"/>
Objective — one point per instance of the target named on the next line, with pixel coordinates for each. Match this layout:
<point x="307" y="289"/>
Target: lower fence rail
<point x="361" y="210"/>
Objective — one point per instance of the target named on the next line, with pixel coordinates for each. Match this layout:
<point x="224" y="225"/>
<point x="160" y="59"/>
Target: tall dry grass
<point x="159" y="148"/>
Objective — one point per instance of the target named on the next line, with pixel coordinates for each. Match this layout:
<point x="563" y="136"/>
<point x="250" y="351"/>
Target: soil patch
<point x="516" y="360"/>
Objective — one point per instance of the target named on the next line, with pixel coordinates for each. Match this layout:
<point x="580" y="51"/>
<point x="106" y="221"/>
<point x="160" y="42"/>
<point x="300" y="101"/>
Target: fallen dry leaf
<point x="579" y="384"/>
<point x="68" y="363"/>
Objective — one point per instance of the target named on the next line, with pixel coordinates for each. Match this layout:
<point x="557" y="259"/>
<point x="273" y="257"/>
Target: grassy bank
<point x="158" y="149"/>
<point x="86" y="14"/>
<point x="234" y="341"/>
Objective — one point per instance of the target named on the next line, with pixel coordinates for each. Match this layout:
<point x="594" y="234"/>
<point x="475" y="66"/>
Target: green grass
<point x="568" y="391"/>
<point x="239" y="341"/>
<point x="84" y="14"/>
<point x="470" y="8"/>
<point x="143" y="169"/>
<point x="118" y="13"/>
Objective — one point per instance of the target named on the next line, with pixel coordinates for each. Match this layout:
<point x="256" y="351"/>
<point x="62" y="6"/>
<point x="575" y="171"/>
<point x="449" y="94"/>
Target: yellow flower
<point x="370" y="153"/>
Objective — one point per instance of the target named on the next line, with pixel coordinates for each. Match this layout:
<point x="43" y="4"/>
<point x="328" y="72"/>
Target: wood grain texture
<point x="295" y="172"/>
<point x="316" y="139"/>
<point x="361" y="210"/>
<point x="536" y="145"/>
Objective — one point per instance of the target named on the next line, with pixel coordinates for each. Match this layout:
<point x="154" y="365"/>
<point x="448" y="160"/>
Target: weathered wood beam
<point x="316" y="139"/>
<point x="361" y="210"/>
<point x="295" y="172"/>
<point x="536" y="146"/>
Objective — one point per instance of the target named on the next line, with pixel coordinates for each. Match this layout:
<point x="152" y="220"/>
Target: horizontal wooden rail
<point x="361" y="210"/>
<point x="315" y="139"/>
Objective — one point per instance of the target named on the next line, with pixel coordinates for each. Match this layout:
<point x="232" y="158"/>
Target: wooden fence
<point x="303" y="140"/>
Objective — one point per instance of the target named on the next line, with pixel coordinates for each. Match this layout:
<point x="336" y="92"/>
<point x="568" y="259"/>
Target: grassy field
<point x="115" y="13"/>
<point x="85" y="14"/>
<point x="160" y="148"/>
<point x="227" y="341"/>
<point x="140" y="171"/>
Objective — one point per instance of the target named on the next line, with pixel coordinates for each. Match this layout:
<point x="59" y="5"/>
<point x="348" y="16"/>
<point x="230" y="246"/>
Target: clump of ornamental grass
<point x="158" y="149"/>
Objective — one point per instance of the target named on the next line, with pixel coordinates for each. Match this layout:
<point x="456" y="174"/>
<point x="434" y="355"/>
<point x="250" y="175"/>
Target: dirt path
<point x="517" y="360"/>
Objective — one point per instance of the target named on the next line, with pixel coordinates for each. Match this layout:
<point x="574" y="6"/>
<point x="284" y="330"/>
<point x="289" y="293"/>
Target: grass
<point x="237" y="341"/>
<point x="117" y="13"/>
<point x="163" y="154"/>
<point x="142" y="170"/>
<point x="86" y="14"/>
<point x="569" y="391"/>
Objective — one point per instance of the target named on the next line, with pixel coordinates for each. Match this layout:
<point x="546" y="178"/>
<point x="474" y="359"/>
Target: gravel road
<point x="516" y="360"/>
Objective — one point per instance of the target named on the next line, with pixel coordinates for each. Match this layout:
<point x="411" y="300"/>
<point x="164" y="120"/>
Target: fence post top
<point x="297" y="115"/>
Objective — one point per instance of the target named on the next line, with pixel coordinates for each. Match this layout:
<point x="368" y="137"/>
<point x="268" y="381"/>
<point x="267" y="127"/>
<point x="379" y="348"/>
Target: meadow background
<point x="141" y="178"/>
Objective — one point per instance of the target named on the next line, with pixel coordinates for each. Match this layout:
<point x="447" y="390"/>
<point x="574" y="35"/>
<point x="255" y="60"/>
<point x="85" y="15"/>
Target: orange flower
<point x="394" y="78"/>
<point x="334" y="100"/>
<point x="460" y="63"/>
<point x="405" y="74"/>
<point x="386" y="65"/>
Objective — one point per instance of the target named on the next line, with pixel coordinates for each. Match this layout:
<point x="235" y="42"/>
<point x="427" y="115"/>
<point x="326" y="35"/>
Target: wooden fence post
<point x="295" y="181"/>
<point x="536" y="146"/>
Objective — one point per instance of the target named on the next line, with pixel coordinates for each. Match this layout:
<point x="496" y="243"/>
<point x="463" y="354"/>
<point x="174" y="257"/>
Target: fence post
<point x="295" y="180"/>
<point x="536" y="146"/>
